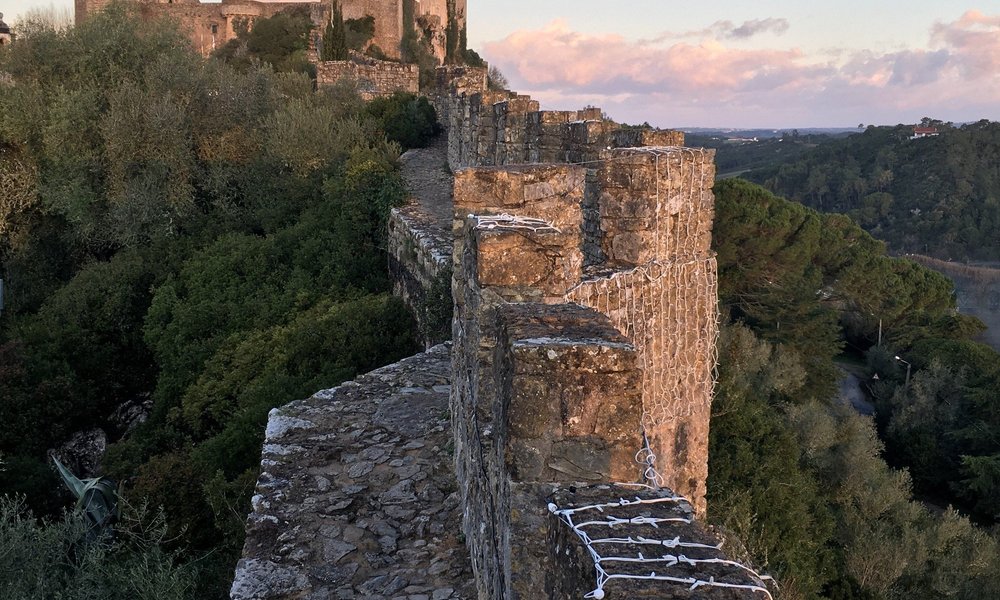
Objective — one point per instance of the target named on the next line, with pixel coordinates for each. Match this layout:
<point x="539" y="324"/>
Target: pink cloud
<point x="716" y="83"/>
<point x="973" y="41"/>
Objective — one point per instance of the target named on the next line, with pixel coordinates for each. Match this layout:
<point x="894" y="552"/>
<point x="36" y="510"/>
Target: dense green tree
<point x="408" y="120"/>
<point x="757" y="488"/>
<point x="281" y="40"/>
<point x="207" y="232"/>
<point x="938" y="195"/>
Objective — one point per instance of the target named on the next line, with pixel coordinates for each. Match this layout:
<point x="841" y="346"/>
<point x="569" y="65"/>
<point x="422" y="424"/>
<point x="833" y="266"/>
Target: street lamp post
<point x="907" y="370"/>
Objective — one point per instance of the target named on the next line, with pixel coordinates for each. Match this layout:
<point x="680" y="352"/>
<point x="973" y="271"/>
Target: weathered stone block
<point x="548" y="262"/>
<point x="655" y="204"/>
<point x="559" y="362"/>
<point x="549" y="192"/>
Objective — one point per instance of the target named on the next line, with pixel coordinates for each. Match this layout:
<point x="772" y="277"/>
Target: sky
<point x="741" y="63"/>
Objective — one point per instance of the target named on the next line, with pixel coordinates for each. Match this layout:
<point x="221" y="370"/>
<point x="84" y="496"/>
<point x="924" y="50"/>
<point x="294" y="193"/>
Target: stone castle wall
<point x="212" y="24"/>
<point x="643" y="211"/>
<point x="373" y="78"/>
<point x="630" y="346"/>
<point x="584" y="328"/>
<point x="489" y="127"/>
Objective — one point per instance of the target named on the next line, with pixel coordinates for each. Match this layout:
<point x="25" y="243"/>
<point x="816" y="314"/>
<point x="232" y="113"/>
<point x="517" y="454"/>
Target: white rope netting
<point x="664" y="553"/>
<point x="613" y="555"/>
<point x="669" y="312"/>
<point x="668" y="306"/>
<point x="509" y="221"/>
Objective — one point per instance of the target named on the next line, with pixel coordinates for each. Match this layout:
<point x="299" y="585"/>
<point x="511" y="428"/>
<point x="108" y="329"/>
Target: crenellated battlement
<point x="584" y="327"/>
<point x="498" y="127"/>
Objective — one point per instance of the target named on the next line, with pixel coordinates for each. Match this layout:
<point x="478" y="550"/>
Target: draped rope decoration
<point x="611" y="566"/>
<point x="669" y="312"/>
<point x="667" y="306"/>
<point x="508" y="221"/>
<point x="582" y="525"/>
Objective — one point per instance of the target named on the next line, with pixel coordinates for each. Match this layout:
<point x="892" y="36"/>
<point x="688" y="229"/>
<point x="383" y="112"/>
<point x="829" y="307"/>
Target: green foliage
<point x="48" y="560"/>
<point x="208" y="233"/>
<point x="804" y="486"/>
<point x="436" y="308"/>
<point x="943" y="426"/>
<point x="453" y="49"/>
<point x="808" y="280"/>
<point x="335" y="36"/>
<point x="416" y="48"/>
<point x="757" y="488"/>
<point x="359" y="32"/>
<point x="496" y="80"/>
<point x="732" y="159"/>
<point x="281" y="41"/>
<point x="322" y="347"/>
<point x="802" y="481"/>
<point x="408" y="120"/>
<point x="937" y="195"/>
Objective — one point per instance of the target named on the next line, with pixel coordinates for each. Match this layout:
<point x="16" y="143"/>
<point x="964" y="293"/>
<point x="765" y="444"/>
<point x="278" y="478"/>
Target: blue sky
<point x="766" y="63"/>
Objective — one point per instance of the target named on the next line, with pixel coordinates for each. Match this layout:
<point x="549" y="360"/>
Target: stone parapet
<point x="653" y="209"/>
<point x="420" y="268"/>
<point x="569" y="394"/>
<point x="488" y="127"/>
<point x="547" y="418"/>
<point x="356" y="497"/>
<point x="546" y="348"/>
<point x="373" y="78"/>
<point x="656" y="204"/>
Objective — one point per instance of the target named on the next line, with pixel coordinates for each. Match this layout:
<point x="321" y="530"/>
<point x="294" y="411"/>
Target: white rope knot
<point x="509" y="221"/>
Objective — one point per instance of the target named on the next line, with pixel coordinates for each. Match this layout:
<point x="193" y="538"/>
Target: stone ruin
<point x="371" y="78"/>
<point x="210" y="24"/>
<point x="577" y="386"/>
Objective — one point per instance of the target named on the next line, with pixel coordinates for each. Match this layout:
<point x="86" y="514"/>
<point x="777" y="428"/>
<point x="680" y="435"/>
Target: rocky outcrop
<point x="82" y="452"/>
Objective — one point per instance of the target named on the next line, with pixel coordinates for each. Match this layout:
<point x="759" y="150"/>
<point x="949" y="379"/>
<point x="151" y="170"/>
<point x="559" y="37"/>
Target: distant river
<point x="977" y="290"/>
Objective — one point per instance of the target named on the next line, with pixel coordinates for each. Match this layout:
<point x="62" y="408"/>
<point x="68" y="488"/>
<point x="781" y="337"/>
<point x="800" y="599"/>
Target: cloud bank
<point x="710" y="78"/>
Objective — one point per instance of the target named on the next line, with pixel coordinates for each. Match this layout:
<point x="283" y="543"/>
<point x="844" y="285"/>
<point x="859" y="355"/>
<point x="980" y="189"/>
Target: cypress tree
<point x="335" y="36"/>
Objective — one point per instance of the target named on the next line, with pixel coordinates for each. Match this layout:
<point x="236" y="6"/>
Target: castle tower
<point x="5" y="35"/>
<point x="86" y="8"/>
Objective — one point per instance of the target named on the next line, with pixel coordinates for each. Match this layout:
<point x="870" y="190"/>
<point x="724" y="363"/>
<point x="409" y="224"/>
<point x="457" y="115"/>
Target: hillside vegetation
<point x="938" y="196"/>
<point x="799" y="476"/>
<point x="192" y="243"/>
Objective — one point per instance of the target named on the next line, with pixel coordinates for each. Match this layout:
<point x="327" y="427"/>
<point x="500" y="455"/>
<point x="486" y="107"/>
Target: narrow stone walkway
<point x="429" y="180"/>
<point x="357" y="496"/>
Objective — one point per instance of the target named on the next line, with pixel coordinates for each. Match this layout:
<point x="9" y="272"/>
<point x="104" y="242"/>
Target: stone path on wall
<point x="357" y="495"/>
<point x="429" y="181"/>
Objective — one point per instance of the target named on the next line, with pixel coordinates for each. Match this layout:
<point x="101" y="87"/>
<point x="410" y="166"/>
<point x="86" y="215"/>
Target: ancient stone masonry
<point x="356" y="497"/>
<point x="558" y="374"/>
<point x="420" y="242"/>
<point x="581" y="373"/>
<point x="488" y="127"/>
<point x="640" y="218"/>
<point x="373" y="78"/>
<point x="212" y="24"/>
